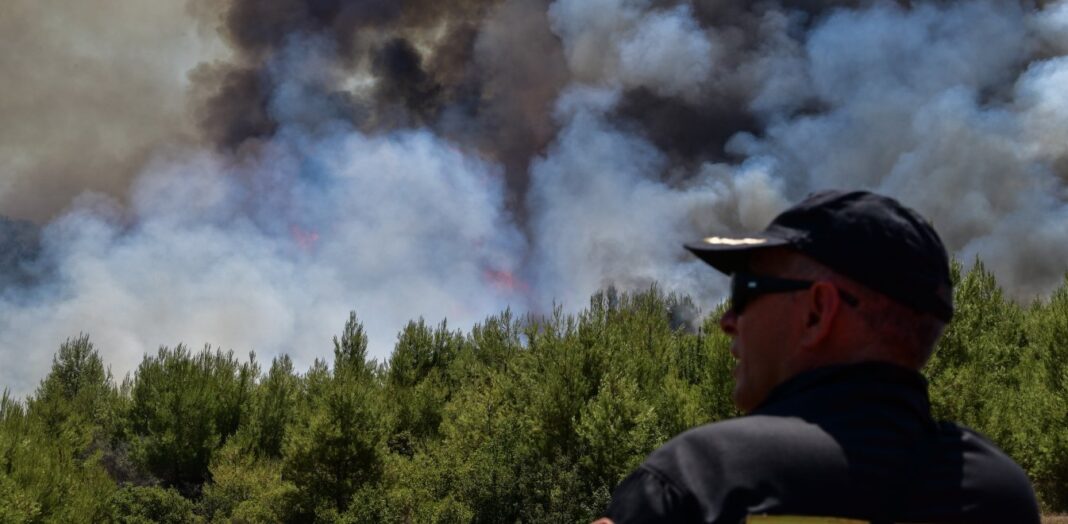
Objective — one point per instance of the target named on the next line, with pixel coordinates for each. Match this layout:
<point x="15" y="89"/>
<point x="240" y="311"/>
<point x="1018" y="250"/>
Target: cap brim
<point x="731" y="254"/>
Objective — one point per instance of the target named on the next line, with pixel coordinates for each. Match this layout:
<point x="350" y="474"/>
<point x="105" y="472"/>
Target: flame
<point x="505" y="280"/>
<point x="305" y="239"/>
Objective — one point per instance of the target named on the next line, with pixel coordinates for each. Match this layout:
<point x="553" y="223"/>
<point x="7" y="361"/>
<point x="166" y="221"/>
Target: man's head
<point x="838" y="278"/>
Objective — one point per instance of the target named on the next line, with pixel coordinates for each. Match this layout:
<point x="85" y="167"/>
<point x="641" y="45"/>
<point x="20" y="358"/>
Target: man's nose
<point x="729" y="322"/>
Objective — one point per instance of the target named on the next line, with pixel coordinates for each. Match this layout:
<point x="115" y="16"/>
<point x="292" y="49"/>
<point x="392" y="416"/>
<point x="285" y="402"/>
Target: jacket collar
<point x="833" y="386"/>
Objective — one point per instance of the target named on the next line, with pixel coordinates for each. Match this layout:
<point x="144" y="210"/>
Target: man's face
<point x="764" y="336"/>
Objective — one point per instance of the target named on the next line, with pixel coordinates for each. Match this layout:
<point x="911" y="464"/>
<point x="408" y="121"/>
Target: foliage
<point x="183" y="407"/>
<point x="77" y="401"/>
<point x="246" y="488"/>
<point x="49" y="458"/>
<point x="334" y="450"/>
<point x="530" y="419"/>
<point x="272" y="411"/>
<point x="150" y="504"/>
<point x="997" y="369"/>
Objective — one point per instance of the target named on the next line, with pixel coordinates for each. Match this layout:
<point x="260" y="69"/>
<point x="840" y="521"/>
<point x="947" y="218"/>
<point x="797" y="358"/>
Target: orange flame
<point x="505" y="280"/>
<point x="304" y="238"/>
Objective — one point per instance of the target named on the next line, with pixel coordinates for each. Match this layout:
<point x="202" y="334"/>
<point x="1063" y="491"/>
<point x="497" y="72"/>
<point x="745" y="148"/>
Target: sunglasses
<point x="745" y="288"/>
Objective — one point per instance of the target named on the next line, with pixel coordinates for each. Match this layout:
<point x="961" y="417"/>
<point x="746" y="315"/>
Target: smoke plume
<point x="91" y="91"/>
<point x="243" y="173"/>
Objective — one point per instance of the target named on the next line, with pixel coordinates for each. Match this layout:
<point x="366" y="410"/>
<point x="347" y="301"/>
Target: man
<point x="834" y="309"/>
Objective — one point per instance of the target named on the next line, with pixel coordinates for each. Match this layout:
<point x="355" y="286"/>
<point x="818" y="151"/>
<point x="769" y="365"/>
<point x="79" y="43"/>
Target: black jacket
<point x="852" y="441"/>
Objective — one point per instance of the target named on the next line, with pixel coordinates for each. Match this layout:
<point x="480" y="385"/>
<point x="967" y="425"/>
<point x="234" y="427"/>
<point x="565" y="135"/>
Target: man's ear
<point x="822" y="306"/>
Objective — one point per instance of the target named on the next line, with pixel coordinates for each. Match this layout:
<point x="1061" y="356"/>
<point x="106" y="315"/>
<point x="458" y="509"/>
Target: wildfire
<point x="505" y="280"/>
<point x="304" y="238"/>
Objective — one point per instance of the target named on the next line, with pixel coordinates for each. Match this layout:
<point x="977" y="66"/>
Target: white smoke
<point x="604" y="218"/>
<point x="1042" y="102"/>
<point x="668" y="53"/>
<point x="394" y="227"/>
<point x="924" y="104"/>
<point x="625" y="42"/>
<point x="958" y="109"/>
<point x="269" y="252"/>
<point x="1051" y="26"/>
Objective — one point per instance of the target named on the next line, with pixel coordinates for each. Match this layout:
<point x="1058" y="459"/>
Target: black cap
<point x="870" y="238"/>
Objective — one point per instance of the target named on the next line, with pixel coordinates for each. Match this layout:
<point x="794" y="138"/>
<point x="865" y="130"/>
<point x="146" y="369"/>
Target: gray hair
<point x="914" y="333"/>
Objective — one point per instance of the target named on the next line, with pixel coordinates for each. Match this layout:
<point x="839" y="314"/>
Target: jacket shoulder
<point x="748" y="449"/>
<point x="990" y="477"/>
<point x="755" y="433"/>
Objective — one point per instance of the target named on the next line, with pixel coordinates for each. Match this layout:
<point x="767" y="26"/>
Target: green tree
<point x="183" y="408"/>
<point x="52" y="449"/>
<point x="1048" y="333"/>
<point x="43" y="476"/>
<point x="150" y="505"/>
<point x="246" y="488"/>
<point x="334" y="449"/>
<point x="77" y="400"/>
<point x="419" y="382"/>
<point x="272" y="411"/>
<point x="532" y="420"/>
<point x="991" y="372"/>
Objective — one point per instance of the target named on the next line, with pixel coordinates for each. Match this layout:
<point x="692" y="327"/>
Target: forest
<point x="521" y="419"/>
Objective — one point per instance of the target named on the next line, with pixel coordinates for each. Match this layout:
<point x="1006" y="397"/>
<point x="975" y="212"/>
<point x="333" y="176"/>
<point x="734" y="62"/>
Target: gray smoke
<point x="21" y="240"/>
<point x="91" y="91"/>
<point x="243" y="173"/>
<point x="947" y="108"/>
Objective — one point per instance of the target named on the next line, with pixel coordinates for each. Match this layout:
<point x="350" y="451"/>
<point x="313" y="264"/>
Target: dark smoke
<point x="235" y="106"/>
<point x="448" y="66"/>
<point x="245" y="172"/>
<point x="20" y="251"/>
<point x="402" y="80"/>
<point x="482" y="73"/>
<point x="689" y="133"/>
